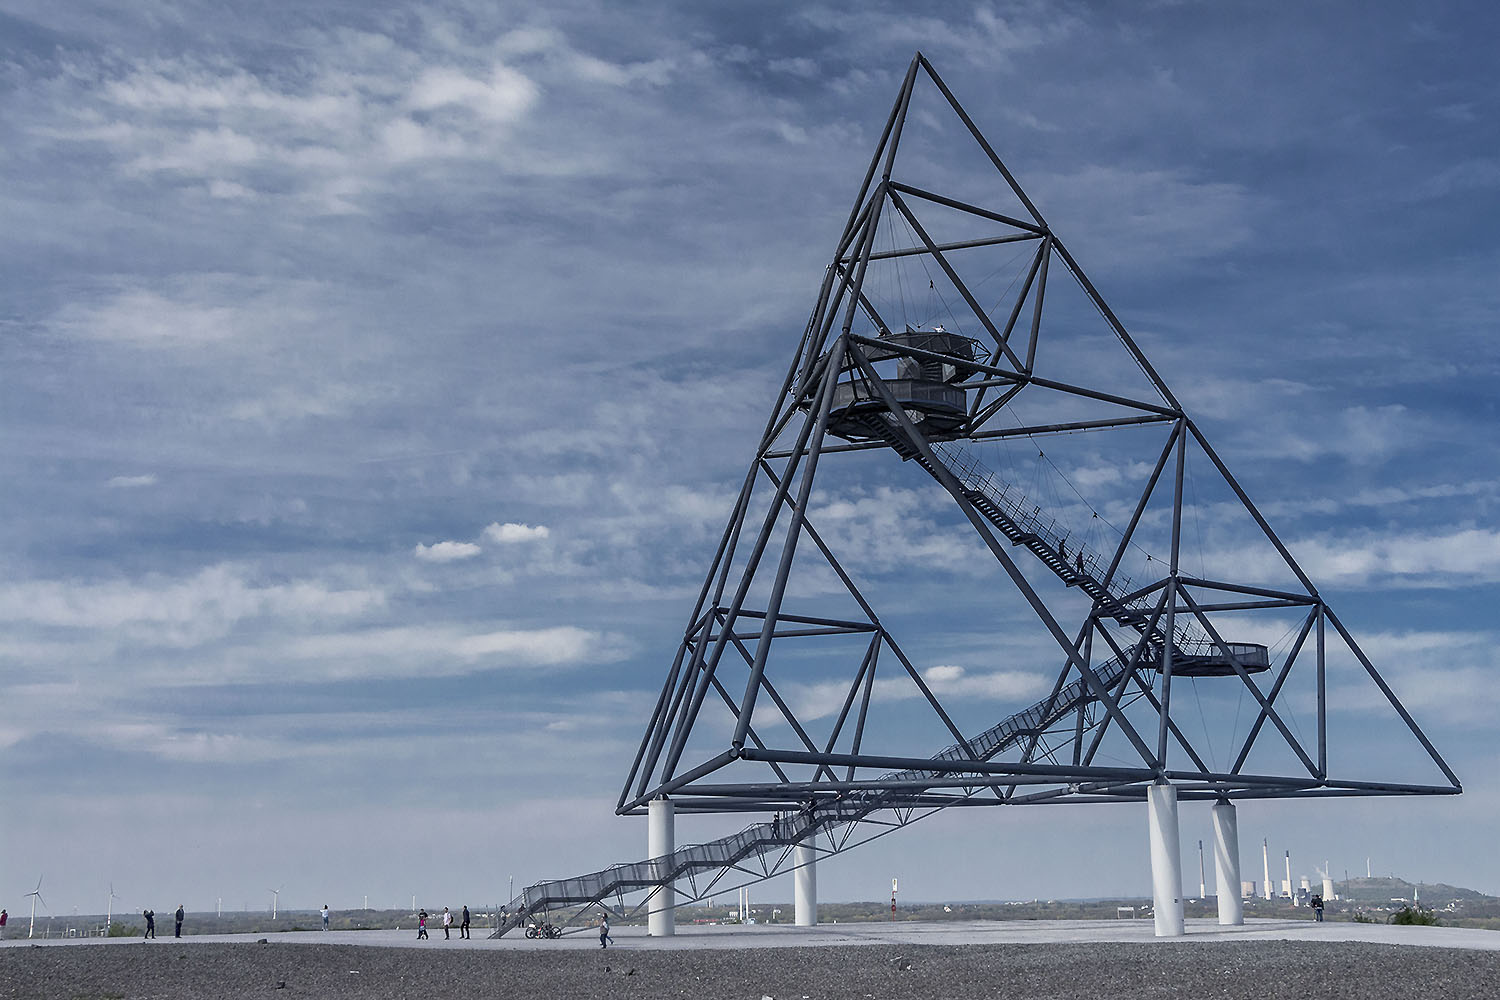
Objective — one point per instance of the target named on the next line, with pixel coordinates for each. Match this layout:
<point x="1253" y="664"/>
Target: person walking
<point x="422" y="924"/>
<point x="150" y="916"/>
<point x="447" y="924"/>
<point x="463" y="928"/>
<point x="178" y="931"/>
<point x="604" y="939"/>
<point x="325" y="916"/>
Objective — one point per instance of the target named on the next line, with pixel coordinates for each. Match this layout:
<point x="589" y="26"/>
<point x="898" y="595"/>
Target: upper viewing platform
<point x="928" y="388"/>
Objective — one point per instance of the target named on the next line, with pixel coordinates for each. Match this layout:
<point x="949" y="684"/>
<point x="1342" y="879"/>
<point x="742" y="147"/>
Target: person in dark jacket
<point x="150" y="916"/>
<point x="463" y="927"/>
<point x="178" y="931"/>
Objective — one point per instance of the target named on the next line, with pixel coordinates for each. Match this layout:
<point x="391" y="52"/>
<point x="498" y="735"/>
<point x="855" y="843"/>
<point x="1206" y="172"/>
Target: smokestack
<point x="1289" y="878"/>
<point x="1265" y="858"/>
<point x="1367" y="867"/>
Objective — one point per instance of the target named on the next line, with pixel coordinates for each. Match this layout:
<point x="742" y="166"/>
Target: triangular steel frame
<point x="835" y="385"/>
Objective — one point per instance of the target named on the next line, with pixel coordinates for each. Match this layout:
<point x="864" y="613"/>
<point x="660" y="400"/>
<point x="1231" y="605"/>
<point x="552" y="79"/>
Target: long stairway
<point x="1023" y="524"/>
<point x="1020" y="523"/>
<point x="761" y="839"/>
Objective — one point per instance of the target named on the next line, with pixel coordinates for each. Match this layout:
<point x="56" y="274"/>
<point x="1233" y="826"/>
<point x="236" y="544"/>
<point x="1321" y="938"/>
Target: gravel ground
<point x="1258" y="970"/>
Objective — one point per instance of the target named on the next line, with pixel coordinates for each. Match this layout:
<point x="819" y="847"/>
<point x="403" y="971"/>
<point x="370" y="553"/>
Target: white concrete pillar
<point x="659" y="843"/>
<point x="1166" y="860"/>
<point x="1227" y="863"/>
<point x="806" y="889"/>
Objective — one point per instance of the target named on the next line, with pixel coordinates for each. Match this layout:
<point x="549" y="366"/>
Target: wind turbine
<point x="109" y="913"/>
<point x="35" y="895"/>
<point x="275" y="897"/>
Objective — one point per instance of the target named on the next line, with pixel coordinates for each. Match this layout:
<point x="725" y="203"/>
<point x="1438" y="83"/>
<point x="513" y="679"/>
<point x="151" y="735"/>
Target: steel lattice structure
<point x="725" y="737"/>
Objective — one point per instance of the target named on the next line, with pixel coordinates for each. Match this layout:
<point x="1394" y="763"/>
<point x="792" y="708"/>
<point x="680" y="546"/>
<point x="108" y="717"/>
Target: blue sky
<point x="377" y="379"/>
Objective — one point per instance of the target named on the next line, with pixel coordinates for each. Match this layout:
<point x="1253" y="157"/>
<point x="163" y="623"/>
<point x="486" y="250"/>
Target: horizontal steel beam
<point x="830" y="789"/>
<point x="1035" y="430"/>
<point x="978" y="767"/>
<point x="964" y="206"/>
<point x="1252" y="605"/>
<point x="945" y="247"/>
<point x="1237" y="588"/>
<point x="800" y="633"/>
<point x="1023" y="378"/>
<point x="809" y="620"/>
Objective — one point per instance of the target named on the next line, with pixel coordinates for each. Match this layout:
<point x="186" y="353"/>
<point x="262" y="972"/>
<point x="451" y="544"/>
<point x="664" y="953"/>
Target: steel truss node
<point x="859" y="384"/>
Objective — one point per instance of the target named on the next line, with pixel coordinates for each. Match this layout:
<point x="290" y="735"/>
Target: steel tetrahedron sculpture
<point x="960" y="372"/>
<point x="930" y="395"/>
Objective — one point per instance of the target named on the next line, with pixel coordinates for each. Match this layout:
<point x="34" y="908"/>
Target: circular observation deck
<point x="923" y="385"/>
<point x="1204" y="658"/>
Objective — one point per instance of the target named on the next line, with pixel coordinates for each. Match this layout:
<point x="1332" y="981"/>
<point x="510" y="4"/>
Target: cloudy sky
<point x="376" y="380"/>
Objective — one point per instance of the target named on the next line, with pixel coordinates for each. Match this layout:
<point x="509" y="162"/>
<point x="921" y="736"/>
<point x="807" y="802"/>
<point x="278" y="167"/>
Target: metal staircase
<point x="767" y="845"/>
<point x="760" y="840"/>
<point x="1024" y="525"/>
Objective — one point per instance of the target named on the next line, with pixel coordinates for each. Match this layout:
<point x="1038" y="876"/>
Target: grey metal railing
<point x="1051" y="540"/>
<point x="790" y="828"/>
<point x="1023" y="522"/>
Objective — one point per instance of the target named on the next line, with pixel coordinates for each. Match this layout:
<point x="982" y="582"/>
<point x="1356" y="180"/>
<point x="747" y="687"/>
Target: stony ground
<point x="1258" y="970"/>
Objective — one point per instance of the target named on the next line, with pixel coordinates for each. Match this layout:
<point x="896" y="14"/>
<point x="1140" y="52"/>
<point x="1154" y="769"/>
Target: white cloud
<point x="131" y="482"/>
<point x="442" y="552"/>
<point x="203" y="151"/>
<point x="800" y="66"/>
<point x="191" y="745"/>
<point x="509" y="533"/>
<point x="449" y="650"/>
<point x="285" y="403"/>
<point x="1440" y="559"/>
<point x="997" y="685"/>
<point x="229" y="190"/>
<point x="816" y="701"/>
<point x="325" y="137"/>
<point x="1130" y="218"/>
<point x="182" y="611"/>
<point x="564" y="644"/>
<point x="892" y="529"/>
<point x="148" y="319"/>
<point x="1443" y="674"/>
<point x="198" y="315"/>
<point x="503" y="96"/>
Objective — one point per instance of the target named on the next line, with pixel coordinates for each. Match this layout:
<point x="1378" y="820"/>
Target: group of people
<point x="150" y="916"/>
<point x="447" y="917"/>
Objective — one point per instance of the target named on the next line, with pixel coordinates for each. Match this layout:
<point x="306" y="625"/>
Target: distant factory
<point x="1299" y="893"/>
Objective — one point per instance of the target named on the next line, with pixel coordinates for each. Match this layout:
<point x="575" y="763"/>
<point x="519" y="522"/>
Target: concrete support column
<point x="1227" y="863"/>
<point x="1166" y="860"/>
<point x="660" y="839"/>
<point x="806" y="876"/>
